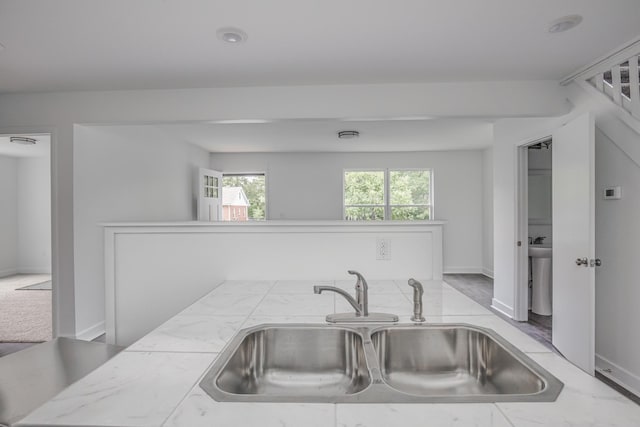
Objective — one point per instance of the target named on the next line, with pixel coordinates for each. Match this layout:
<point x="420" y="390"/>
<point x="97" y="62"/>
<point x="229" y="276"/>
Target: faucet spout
<point x="318" y="289"/>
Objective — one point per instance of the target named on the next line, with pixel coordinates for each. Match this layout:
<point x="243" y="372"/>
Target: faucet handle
<point x="418" y="291"/>
<point x="416" y="285"/>
<point x="361" y="280"/>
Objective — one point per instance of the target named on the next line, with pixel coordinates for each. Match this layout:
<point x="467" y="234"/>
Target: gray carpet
<point x="24" y="316"/>
<point x="44" y="286"/>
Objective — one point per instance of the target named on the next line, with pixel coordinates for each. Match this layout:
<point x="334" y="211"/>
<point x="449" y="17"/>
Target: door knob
<point x="582" y="261"/>
<point x="595" y="262"/>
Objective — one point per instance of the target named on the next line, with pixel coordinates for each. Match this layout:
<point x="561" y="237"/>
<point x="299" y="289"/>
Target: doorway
<point x="535" y="200"/>
<point x="25" y="232"/>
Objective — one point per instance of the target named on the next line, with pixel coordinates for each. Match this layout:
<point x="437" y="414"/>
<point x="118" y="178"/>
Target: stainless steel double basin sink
<point x="376" y="364"/>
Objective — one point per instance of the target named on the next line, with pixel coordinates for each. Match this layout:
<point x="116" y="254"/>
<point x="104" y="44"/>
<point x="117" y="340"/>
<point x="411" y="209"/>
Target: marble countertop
<point x="154" y="382"/>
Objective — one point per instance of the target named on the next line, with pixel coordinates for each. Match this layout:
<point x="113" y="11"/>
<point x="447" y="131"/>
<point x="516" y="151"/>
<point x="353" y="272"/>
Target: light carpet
<point x="24" y="316"/>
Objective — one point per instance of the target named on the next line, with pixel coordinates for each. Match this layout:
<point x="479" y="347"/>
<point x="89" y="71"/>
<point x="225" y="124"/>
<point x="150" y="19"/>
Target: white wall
<point x="123" y="173"/>
<point x="487" y="212"/>
<point x="34" y="215"/>
<point x="309" y="186"/>
<point x="8" y="216"/>
<point x="618" y="245"/>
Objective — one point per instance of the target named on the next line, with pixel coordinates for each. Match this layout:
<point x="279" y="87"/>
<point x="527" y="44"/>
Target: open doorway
<point x="25" y="236"/>
<point x="535" y="233"/>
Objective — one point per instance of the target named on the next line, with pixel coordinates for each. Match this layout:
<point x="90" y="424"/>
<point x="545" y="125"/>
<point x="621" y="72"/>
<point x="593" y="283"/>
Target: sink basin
<point x="367" y="363"/>
<point x="540" y="251"/>
<point x="311" y="362"/>
<point x="457" y="361"/>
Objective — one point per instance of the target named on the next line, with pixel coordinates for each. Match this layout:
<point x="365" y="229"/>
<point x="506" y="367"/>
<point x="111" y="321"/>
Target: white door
<point x="573" y="166"/>
<point x="209" y="195"/>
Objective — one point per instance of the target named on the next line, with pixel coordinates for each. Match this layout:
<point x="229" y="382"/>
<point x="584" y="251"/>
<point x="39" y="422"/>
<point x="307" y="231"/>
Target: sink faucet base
<point x="353" y="318"/>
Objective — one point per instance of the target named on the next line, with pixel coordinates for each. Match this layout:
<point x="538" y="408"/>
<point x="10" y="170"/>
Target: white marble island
<point x="154" y="382"/>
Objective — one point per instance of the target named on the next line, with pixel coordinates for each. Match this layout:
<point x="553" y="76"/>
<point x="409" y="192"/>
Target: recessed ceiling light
<point x="348" y="134"/>
<point x="232" y="35"/>
<point x="23" y="140"/>
<point x="565" y="23"/>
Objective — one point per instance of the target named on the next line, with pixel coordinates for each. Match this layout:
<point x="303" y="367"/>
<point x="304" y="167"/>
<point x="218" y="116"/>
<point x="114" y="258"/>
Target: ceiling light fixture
<point x="565" y="23"/>
<point x="348" y="134"/>
<point x="23" y="140"/>
<point x="232" y="35"/>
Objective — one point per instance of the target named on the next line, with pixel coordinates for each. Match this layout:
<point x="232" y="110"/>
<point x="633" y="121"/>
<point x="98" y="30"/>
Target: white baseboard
<point x="462" y="270"/>
<point x="8" y="272"/>
<point x="91" y="332"/>
<point x="487" y="272"/>
<point x="502" y="308"/>
<point x="33" y="270"/>
<point x="618" y="375"/>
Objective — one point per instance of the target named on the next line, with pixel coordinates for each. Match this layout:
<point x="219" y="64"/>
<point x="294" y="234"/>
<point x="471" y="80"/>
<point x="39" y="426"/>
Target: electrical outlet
<point x="383" y="249"/>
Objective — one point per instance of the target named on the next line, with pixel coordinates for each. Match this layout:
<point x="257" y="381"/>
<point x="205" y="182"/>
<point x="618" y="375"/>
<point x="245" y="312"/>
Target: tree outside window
<point x="388" y="194"/>
<point x="253" y="186"/>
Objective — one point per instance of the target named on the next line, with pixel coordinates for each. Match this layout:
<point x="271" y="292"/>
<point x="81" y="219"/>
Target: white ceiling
<point x="11" y="149"/>
<point x="124" y="44"/>
<point x="321" y="135"/>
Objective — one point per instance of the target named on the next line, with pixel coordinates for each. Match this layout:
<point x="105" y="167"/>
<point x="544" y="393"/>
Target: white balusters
<point x="622" y="90"/>
<point x="634" y="81"/>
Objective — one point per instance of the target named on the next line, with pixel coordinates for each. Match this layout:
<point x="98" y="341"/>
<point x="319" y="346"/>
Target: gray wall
<point x="309" y="186"/>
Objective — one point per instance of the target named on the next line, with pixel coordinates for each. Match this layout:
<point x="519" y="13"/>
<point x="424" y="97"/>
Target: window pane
<point x="364" y="188"/>
<point x="253" y="187"/>
<point x="409" y="187"/>
<point x="353" y="213"/>
<point x="409" y="213"/>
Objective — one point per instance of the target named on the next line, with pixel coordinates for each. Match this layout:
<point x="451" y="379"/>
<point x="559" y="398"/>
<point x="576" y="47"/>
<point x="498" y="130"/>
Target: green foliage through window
<point x="254" y="189"/>
<point x="409" y="198"/>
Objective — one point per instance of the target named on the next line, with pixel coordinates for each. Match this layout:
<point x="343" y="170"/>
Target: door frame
<point x="521" y="279"/>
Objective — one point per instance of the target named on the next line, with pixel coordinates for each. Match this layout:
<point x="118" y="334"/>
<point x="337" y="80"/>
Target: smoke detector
<point x="565" y="23"/>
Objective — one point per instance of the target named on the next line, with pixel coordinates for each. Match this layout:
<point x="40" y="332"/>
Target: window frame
<point x="387" y="191"/>
<point x="266" y="190"/>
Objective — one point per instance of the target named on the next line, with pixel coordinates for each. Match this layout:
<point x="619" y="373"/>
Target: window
<point x="388" y="194"/>
<point x="244" y="197"/>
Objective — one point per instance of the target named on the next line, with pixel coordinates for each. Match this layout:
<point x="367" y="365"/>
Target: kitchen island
<point x="154" y="382"/>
